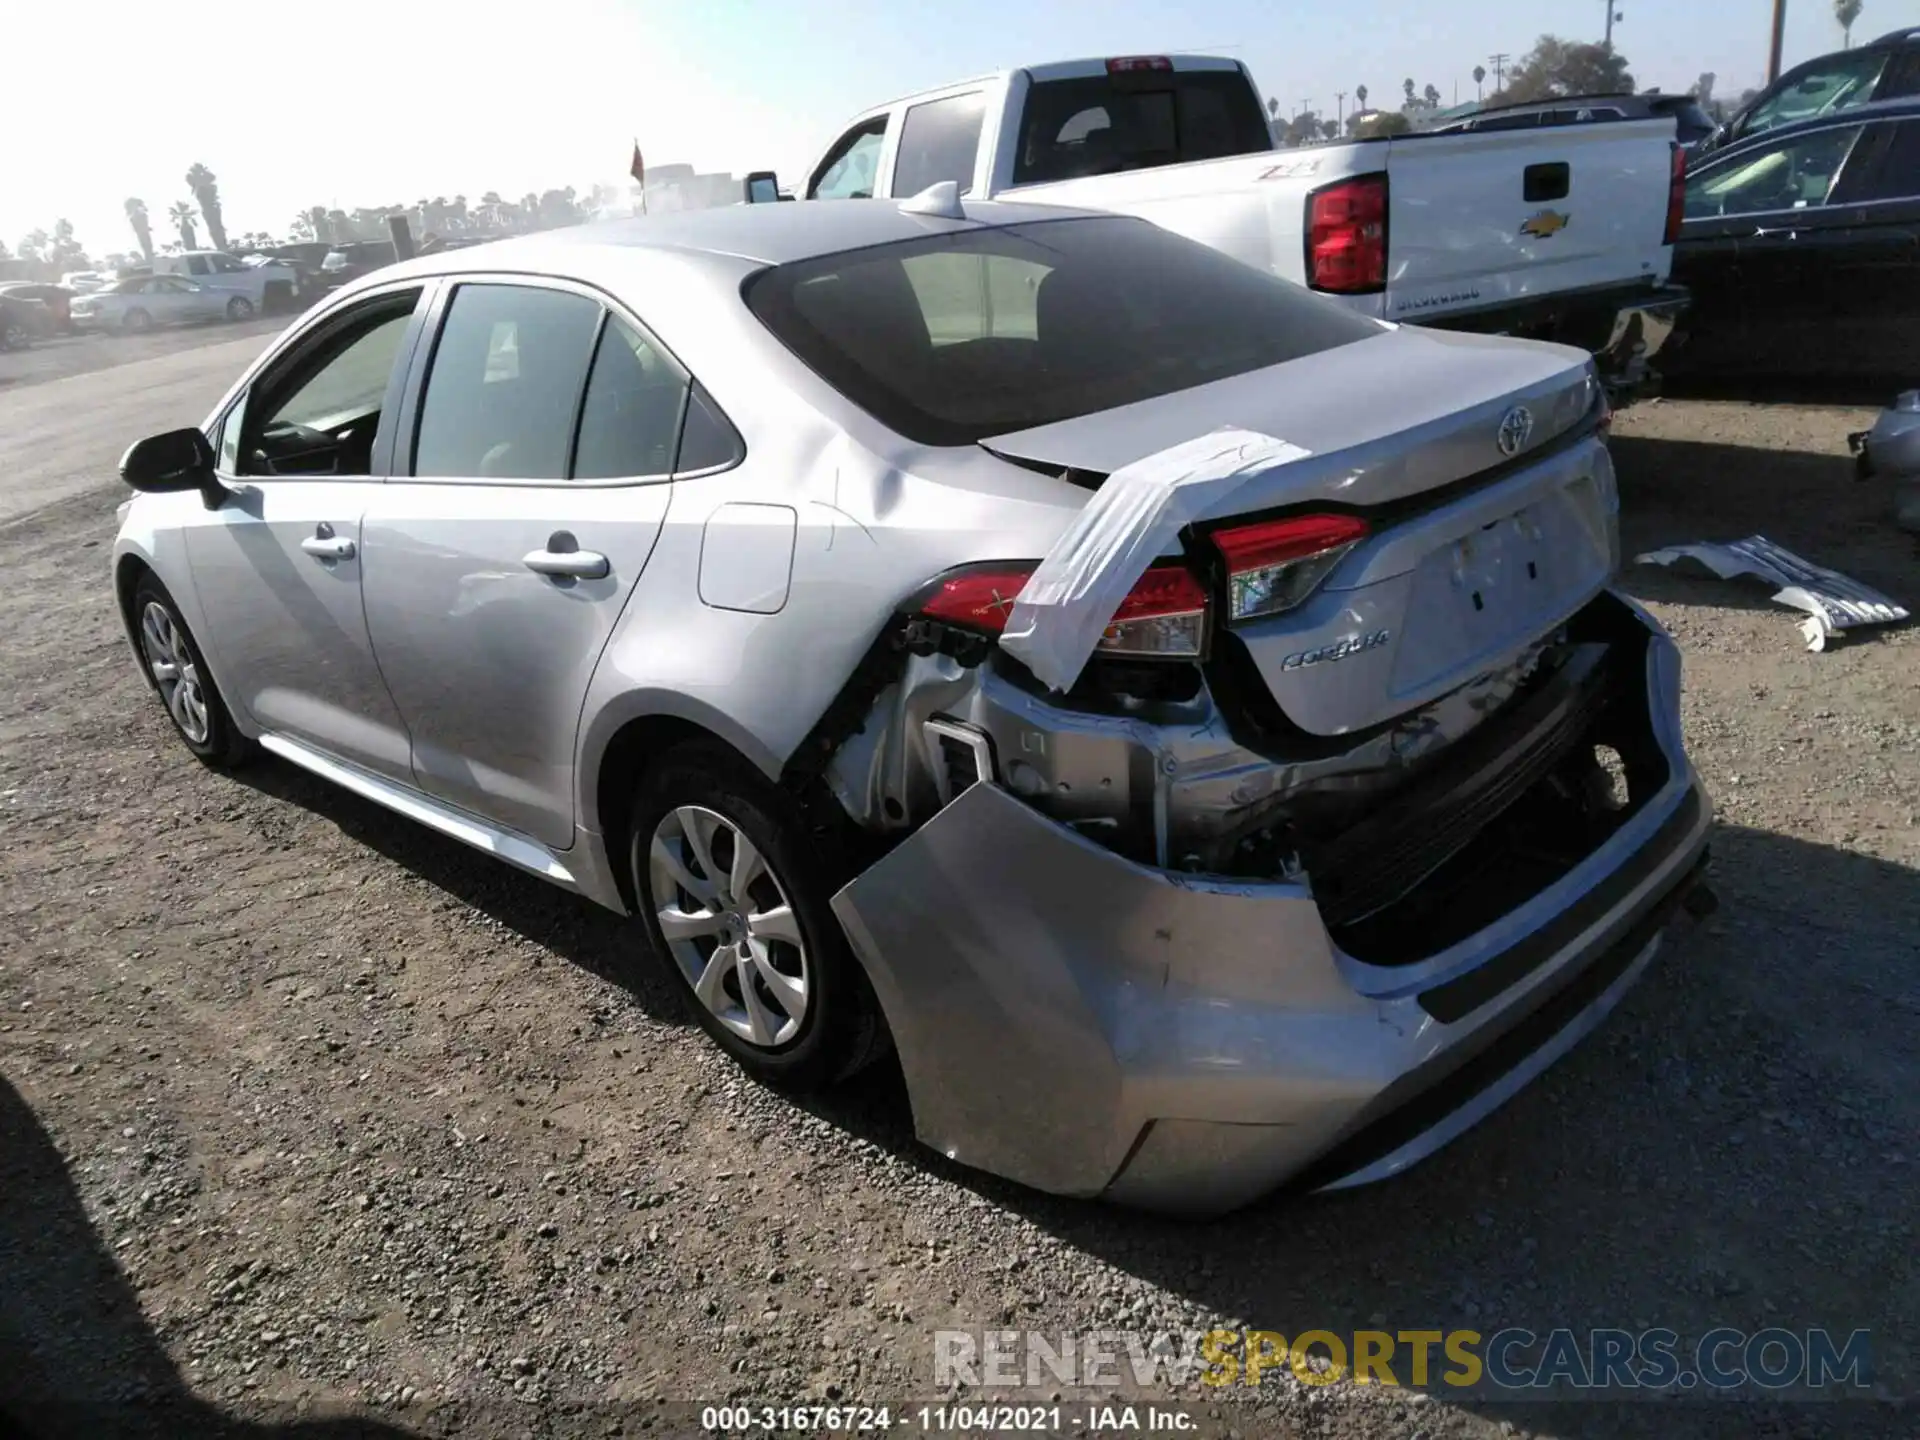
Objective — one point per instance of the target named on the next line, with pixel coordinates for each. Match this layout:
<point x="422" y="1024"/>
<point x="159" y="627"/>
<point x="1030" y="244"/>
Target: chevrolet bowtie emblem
<point x="1546" y="224"/>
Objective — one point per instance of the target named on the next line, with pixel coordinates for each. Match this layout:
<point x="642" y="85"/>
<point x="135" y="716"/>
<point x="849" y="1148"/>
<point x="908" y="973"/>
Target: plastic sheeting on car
<point x="1061" y="612"/>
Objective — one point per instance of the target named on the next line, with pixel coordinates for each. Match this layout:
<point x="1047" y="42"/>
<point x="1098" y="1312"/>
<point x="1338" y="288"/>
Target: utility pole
<point x="1779" y="36"/>
<point x="1499" y="63"/>
<point x="1608" y="42"/>
<point x="1340" y="109"/>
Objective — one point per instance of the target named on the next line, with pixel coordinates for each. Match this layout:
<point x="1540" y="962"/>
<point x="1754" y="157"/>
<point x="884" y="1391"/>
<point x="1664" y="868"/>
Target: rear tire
<point x="239" y="308"/>
<point x="16" y="337"/>
<point x="757" y="953"/>
<point x="180" y="678"/>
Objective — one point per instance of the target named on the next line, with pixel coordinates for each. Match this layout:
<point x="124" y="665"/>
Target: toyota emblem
<point x="1516" y="428"/>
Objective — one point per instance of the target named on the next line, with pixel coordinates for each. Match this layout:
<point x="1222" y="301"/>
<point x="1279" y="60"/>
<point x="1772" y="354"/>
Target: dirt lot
<point x="306" y="1110"/>
<point x="64" y="355"/>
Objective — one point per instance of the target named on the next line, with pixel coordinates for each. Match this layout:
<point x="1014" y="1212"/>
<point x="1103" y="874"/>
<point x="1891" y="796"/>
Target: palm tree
<point x="142" y="228"/>
<point x="1845" y="12"/>
<point x="206" y="190"/>
<point x="1407" y="85"/>
<point x="183" y="215"/>
<point x="1479" y="76"/>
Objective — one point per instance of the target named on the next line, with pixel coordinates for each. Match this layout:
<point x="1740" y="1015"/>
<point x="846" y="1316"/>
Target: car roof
<point x="1900" y="109"/>
<point x="768" y="234"/>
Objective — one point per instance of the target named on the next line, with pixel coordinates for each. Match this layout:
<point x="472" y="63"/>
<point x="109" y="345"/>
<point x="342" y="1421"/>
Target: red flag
<point x="639" y="167"/>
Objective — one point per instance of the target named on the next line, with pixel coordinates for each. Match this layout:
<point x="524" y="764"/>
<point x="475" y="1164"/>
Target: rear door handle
<point x="569" y="564"/>
<point x="323" y="544"/>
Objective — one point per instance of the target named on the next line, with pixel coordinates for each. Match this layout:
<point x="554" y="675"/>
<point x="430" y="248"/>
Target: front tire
<point x="16" y="337"/>
<point x="733" y="890"/>
<point x="239" y="308"/>
<point x="138" y="322"/>
<point x="180" y="678"/>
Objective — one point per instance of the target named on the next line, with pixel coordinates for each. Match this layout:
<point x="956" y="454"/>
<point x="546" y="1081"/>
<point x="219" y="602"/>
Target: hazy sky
<point x="368" y="102"/>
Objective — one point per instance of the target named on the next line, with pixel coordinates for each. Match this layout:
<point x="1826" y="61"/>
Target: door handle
<point x="323" y="544"/>
<point x="568" y="564"/>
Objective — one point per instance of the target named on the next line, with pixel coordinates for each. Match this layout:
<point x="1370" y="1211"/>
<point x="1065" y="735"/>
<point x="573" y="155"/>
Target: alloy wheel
<point x="728" y="923"/>
<point x="175" y="672"/>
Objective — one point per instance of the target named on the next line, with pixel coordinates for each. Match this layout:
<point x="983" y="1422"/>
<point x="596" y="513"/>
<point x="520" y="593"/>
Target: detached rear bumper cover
<point x="1090" y="1026"/>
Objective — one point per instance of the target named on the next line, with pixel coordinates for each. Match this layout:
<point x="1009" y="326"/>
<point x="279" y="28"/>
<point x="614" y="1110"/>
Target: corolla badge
<point x="1338" y="650"/>
<point x="1516" y="428"/>
<point x="1545" y="224"/>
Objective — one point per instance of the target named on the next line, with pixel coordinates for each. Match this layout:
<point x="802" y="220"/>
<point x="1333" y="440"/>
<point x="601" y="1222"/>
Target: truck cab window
<point x="849" y="169"/>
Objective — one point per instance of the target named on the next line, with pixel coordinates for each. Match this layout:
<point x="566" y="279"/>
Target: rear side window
<point x="954" y="338"/>
<point x="1885" y="165"/>
<point x="1104" y="123"/>
<point x="938" y="141"/>
<point x="631" y="419"/>
<point x="507" y="377"/>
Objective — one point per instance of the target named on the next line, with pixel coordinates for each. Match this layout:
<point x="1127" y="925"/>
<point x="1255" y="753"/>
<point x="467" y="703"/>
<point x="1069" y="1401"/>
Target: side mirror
<point x="168" y="463"/>
<point x="761" y="187"/>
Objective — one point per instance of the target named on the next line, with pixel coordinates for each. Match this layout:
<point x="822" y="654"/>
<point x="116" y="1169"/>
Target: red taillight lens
<point x="1676" y="195"/>
<point x="1274" y="565"/>
<point x="1129" y="63"/>
<point x="1164" y="615"/>
<point x="1347" y="236"/>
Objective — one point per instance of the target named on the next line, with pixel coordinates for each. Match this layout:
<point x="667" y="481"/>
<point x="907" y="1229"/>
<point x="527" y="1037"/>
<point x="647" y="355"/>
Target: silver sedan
<point x="141" y="302"/>
<point x="1192" y="723"/>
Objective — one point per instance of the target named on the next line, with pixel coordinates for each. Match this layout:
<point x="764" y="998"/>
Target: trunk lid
<point x="1454" y="579"/>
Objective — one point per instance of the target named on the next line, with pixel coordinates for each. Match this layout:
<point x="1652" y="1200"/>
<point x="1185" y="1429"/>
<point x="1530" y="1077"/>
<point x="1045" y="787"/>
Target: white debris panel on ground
<point x="1834" y="603"/>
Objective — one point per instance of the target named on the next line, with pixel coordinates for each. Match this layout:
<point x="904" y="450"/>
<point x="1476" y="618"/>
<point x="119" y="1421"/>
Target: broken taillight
<point x="1273" y="565"/>
<point x="1164" y="616"/>
<point x="1347" y="236"/>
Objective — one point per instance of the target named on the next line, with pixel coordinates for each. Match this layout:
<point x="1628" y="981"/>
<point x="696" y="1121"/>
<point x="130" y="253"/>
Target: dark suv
<point x="1886" y="69"/>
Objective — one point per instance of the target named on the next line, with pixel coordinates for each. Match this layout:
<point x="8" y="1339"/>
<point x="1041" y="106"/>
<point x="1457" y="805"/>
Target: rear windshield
<point x="959" y="337"/>
<point x="1136" y="120"/>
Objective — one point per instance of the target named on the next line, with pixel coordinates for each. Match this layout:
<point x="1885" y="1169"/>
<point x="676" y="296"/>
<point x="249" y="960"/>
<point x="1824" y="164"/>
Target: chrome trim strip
<point x="516" y="850"/>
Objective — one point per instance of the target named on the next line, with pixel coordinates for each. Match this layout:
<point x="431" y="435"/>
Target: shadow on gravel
<point x="80" y="1360"/>
<point x="576" y="930"/>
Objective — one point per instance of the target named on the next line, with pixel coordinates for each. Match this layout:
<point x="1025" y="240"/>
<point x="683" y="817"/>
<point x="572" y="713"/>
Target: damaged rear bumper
<point x="1090" y="1025"/>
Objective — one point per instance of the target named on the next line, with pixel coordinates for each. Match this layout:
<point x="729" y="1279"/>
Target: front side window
<point x="316" y="412"/>
<point x="1791" y="175"/>
<point x="938" y="141"/>
<point x="506" y="382"/>
<point x="951" y="339"/>
<point x="226" y="265"/>
<point x="850" y="168"/>
<point x="1823" y="88"/>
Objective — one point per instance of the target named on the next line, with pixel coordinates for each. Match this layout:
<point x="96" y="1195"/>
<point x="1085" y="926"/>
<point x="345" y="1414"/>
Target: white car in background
<point x="85" y="282"/>
<point x="141" y="302"/>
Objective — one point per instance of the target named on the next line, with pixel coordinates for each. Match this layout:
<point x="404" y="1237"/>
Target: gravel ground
<point x="305" y="1111"/>
<point x="63" y="355"/>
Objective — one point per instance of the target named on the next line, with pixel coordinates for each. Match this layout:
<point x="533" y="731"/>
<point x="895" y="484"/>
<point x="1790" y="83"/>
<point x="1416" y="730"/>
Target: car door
<point x="1872" y="265"/>
<point x="539" y="460"/>
<point x="1769" y="306"/>
<point x="167" y="300"/>
<point x="277" y="568"/>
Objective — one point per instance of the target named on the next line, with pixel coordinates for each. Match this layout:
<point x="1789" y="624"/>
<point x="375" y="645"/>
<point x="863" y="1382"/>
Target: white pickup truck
<point x="1564" y="233"/>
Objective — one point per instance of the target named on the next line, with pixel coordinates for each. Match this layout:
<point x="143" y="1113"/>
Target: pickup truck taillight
<point x="1347" y="236"/>
<point x="1163" y="617"/>
<point x="1275" y="564"/>
<point x="1676" y="195"/>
